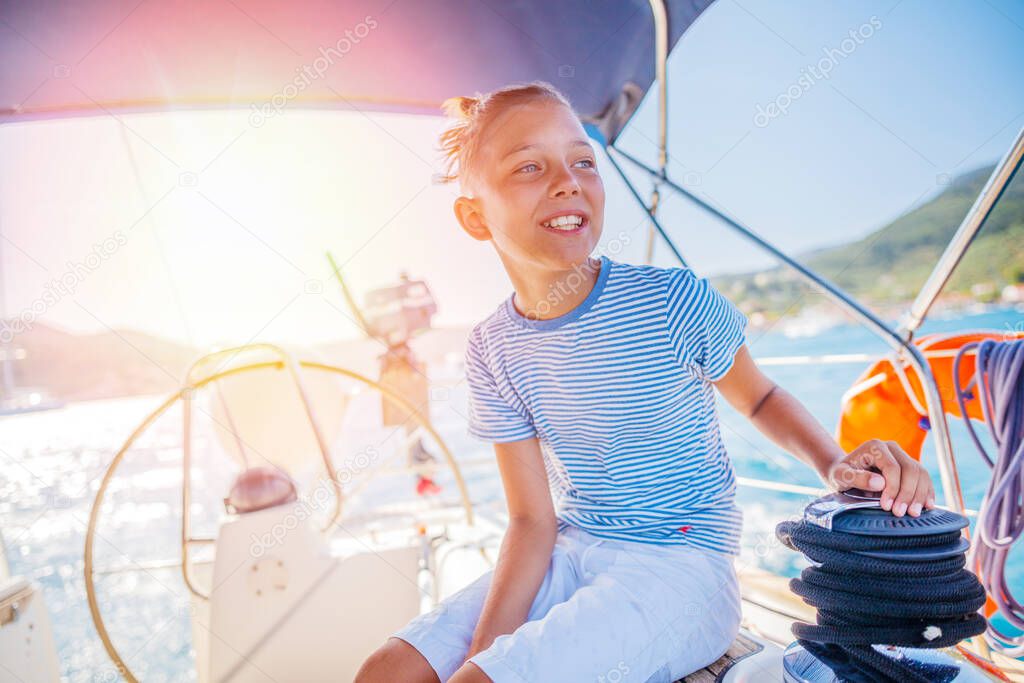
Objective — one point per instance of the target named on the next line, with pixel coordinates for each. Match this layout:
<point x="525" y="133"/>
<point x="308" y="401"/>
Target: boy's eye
<point x="531" y="167"/>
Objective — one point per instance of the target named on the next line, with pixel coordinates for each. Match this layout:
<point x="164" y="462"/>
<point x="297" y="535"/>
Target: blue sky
<point x="934" y="90"/>
<point x="937" y="89"/>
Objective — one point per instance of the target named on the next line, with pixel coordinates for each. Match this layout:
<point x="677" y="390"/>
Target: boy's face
<point x="535" y="164"/>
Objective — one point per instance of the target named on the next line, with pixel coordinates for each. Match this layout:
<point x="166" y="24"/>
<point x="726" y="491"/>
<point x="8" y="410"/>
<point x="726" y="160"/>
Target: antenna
<point x="348" y="296"/>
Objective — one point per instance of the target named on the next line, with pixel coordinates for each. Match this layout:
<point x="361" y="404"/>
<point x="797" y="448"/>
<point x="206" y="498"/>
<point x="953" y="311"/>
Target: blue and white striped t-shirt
<point x="618" y="392"/>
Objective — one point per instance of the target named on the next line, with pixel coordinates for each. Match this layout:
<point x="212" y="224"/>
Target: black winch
<point x="888" y="591"/>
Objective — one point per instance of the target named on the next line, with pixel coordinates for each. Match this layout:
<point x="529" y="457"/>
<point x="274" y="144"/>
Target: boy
<point x="595" y="380"/>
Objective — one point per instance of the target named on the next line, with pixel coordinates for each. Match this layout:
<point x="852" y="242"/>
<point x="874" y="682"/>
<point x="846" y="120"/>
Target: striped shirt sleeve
<point x="491" y="417"/>
<point x="706" y="329"/>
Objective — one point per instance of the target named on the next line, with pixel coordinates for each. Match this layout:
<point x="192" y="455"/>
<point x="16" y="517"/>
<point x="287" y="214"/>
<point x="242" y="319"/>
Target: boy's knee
<point x="470" y="673"/>
<point x="396" y="660"/>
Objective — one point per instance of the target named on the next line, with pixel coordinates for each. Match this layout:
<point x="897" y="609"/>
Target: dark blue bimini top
<point x="86" y="58"/>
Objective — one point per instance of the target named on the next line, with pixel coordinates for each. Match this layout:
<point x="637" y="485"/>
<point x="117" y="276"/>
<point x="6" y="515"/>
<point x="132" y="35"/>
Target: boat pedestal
<point x="284" y="607"/>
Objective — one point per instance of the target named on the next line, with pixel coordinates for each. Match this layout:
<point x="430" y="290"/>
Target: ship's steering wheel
<point x="195" y="380"/>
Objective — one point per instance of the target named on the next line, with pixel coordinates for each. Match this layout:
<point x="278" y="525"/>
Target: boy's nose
<point x="564" y="184"/>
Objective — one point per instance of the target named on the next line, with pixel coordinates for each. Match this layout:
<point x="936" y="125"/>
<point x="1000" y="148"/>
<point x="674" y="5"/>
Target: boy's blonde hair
<point x="460" y="141"/>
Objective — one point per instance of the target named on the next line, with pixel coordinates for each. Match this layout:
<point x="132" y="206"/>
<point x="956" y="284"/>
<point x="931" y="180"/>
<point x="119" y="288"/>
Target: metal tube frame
<point x="660" y="15"/>
<point x="952" y="491"/>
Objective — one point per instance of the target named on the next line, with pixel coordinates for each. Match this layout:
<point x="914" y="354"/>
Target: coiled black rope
<point x="863" y="601"/>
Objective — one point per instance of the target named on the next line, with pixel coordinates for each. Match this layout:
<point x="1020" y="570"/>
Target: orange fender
<point x="887" y="402"/>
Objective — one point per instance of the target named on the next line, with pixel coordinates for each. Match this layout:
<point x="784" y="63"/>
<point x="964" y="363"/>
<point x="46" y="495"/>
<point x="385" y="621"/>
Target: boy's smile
<point x="567" y="222"/>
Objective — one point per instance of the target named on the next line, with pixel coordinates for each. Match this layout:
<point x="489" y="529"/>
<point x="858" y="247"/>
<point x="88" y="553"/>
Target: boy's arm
<point x="904" y="482"/>
<point x="526" y="549"/>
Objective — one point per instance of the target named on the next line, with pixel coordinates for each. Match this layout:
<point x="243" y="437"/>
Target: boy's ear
<point x="468" y="214"/>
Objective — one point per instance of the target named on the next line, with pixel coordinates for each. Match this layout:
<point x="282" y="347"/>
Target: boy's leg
<point x="444" y="634"/>
<point x="396" y="660"/>
<point x="645" y="615"/>
<point x="469" y="673"/>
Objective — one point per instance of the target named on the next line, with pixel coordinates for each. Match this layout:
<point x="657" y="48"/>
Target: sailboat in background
<point x="15" y="399"/>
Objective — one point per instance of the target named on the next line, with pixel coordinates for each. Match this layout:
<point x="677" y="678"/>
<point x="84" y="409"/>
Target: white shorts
<point x="607" y="611"/>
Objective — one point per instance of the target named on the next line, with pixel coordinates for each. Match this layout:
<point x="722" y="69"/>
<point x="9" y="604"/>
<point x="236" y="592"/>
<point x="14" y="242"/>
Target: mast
<point x="6" y="376"/>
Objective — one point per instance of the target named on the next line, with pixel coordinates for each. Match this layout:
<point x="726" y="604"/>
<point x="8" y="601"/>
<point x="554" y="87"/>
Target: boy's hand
<point x="883" y="466"/>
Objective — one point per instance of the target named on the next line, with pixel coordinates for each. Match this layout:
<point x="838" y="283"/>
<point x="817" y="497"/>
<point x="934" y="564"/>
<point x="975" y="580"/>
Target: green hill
<point x="889" y="266"/>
